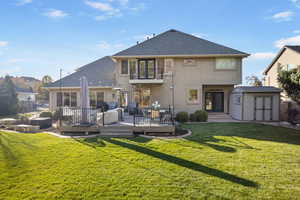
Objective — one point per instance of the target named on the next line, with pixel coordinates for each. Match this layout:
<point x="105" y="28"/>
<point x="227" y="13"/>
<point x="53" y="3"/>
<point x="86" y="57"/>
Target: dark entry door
<point x="214" y="101"/>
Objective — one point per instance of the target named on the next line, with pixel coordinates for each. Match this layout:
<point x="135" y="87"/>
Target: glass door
<point x="146" y="69"/>
<point x="214" y="101"/>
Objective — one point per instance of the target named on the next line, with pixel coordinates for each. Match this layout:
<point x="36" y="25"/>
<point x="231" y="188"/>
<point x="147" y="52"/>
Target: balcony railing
<point x="157" y="79"/>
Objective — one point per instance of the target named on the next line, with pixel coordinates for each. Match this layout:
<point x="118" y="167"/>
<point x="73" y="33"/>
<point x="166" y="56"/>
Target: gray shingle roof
<point x="98" y="73"/>
<point x="246" y="89"/>
<point x="295" y="48"/>
<point x="174" y="42"/>
<point x="26" y="90"/>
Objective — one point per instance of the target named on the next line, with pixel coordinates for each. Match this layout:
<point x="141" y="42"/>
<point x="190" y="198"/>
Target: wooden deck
<point x="116" y="130"/>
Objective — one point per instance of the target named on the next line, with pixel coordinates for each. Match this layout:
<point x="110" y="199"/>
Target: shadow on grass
<point x="91" y="142"/>
<point x="206" y="133"/>
<point x="185" y="163"/>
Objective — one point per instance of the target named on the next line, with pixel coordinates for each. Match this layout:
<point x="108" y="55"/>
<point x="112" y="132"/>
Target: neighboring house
<point x="25" y="94"/>
<point x="172" y="67"/>
<point x="288" y="58"/>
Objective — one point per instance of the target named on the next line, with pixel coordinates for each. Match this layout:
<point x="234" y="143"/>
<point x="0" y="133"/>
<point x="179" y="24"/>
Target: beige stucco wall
<point x="188" y="77"/>
<point x="108" y="95"/>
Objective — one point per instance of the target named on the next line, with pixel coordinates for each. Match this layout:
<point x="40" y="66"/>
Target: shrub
<point x="46" y="114"/>
<point x="193" y="117"/>
<point x="24" y="119"/>
<point x="201" y="116"/>
<point x="182" y="117"/>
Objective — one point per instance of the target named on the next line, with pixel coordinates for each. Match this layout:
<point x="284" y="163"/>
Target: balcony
<point x="154" y="79"/>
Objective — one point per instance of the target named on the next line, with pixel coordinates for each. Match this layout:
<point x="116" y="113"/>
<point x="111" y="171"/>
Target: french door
<point x="214" y="101"/>
<point x="146" y="69"/>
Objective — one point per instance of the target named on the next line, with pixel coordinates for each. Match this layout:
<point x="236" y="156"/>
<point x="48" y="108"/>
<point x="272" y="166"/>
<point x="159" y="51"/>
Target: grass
<point x="218" y="161"/>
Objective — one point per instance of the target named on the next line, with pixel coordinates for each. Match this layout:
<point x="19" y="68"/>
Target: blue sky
<point x="39" y="37"/>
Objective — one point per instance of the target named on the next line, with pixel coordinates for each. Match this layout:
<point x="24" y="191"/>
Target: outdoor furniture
<point x="26" y="128"/>
<point x="8" y="121"/>
<point x="42" y="122"/>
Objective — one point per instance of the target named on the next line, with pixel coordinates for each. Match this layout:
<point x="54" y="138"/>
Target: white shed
<point x="255" y="103"/>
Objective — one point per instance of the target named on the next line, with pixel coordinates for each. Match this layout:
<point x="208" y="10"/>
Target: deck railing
<point x="152" y="117"/>
<point x="81" y="116"/>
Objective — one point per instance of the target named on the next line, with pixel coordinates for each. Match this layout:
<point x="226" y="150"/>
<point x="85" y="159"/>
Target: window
<point x="169" y="63"/>
<point x="100" y="99"/>
<point x="132" y="66"/>
<point x="73" y="99"/>
<point x="67" y="99"/>
<point x="193" y="96"/>
<point x="291" y="66"/>
<point x="189" y="62"/>
<point x="237" y="100"/>
<point x="161" y="68"/>
<point x="58" y="99"/>
<point x="226" y="63"/>
<point x="124" y="67"/>
<point x="93" y="99"/>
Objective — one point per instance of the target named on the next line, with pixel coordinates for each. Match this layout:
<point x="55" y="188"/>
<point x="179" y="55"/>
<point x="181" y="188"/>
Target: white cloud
<point x="108" y="46"/>
<point x="262" y="55"/>
<point x="296" y="31"/>
<point x="54" y="13"/>
<point x="200" y="35"/>
<point x="3" y="43"/>
<point x="138" y="7"/>
<point x="142" y="37"/>
<point x="9" y="70"/>
<point x="105" y="7"/>
<point x="296" y="3"/>
<point x="283" y="16"/>
<point x="23" y="2"/>
<point x="288" y="41"/>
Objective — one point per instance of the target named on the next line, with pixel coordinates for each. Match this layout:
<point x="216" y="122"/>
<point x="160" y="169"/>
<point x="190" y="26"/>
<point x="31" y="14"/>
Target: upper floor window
<point x="132" y="66"/>
<point x="169" y="64"/>
<point x="124" y="67"/>
<point x="226" y="63"/>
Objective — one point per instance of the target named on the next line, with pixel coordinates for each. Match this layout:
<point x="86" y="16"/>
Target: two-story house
<point x="173" y="68"/>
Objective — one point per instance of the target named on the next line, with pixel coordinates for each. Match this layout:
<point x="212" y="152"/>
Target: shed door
<point x="263" y="108"/>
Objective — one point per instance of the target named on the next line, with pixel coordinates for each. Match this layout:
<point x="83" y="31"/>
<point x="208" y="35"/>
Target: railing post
<point x="134" y="118"/>
<point x="103" y="116"/>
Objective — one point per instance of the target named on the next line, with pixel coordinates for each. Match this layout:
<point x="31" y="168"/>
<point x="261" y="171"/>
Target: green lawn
<point x="219" y="161"/>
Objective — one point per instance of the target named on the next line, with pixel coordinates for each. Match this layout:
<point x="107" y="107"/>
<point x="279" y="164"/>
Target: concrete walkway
<point x="220" y="117"/>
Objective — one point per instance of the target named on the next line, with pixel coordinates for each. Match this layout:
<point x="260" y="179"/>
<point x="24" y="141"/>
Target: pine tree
<point x="8" y="97"/>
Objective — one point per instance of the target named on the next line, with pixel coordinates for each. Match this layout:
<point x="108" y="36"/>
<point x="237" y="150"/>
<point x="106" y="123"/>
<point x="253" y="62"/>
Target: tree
<point x="290" y="82"/>
<point x="43" y="94"/>
<point x="254" y="81"/>
<point x="8" y="97"/>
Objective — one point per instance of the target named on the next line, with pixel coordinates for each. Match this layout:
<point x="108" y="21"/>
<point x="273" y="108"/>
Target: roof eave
<point x="77" y="87"/>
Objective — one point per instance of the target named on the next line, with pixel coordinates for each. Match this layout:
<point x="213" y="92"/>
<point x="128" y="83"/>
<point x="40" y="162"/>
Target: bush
<point x="46" y="114"/>
<point x="200" y="116"/>
<point x="182" y="117"/>
<point x="193" y="117"/>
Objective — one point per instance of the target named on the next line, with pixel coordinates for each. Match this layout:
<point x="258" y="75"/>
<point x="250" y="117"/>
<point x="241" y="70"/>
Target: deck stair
<point x="122" y="131"/>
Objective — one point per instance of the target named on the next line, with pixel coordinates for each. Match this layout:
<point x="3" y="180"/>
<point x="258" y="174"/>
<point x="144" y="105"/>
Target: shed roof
<point x="177" y="43"/>
<point x="98" y="73"/>
<point x="252" y="89"/>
